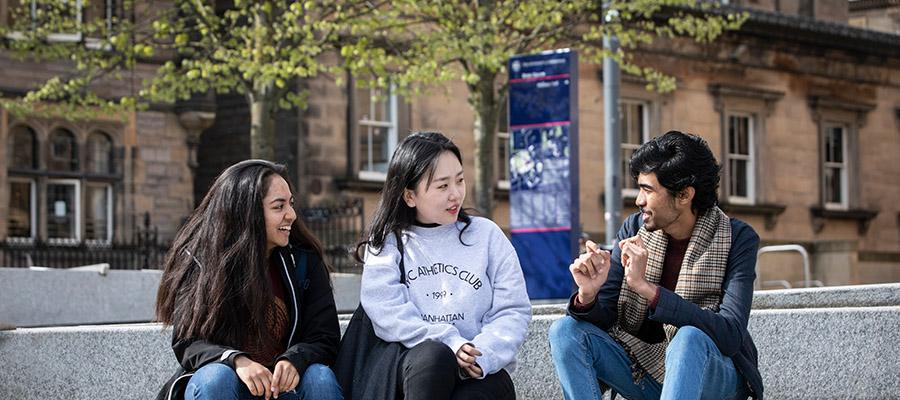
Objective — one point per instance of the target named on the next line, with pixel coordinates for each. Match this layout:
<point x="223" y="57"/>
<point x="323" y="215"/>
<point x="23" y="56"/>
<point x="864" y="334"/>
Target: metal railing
<point x="338" y="226"/>
<point x="142" y="252"/>
<point x="807" y="274"/>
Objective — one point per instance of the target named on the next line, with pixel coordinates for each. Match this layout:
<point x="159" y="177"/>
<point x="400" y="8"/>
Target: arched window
<point x="21" y="209"/>
<point x="99" y="154"/>
<point x="22" y="148"/>
<point x="63" y="154"/>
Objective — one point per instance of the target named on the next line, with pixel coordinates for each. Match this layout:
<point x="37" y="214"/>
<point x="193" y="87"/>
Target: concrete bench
<point x="838" y="350"/>
<point x="54" y="297"/>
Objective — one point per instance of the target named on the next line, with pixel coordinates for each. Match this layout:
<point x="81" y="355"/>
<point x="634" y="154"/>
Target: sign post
<point x="544" y="206"/>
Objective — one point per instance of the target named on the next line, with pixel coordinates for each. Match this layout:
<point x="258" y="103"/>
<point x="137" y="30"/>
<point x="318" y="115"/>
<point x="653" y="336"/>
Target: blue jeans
<point x="219" y="381"/>
<point x="584" y="355"/>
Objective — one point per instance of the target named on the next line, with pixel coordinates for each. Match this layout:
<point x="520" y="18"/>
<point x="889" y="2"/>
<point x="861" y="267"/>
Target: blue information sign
<point x="543" y="165"/>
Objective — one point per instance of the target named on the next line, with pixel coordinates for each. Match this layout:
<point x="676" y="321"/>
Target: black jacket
<point x="727" y="327"/>
<point x="313" y="337"/>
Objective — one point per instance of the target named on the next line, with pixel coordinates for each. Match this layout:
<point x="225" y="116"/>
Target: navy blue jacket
<point x="727" y="327"/>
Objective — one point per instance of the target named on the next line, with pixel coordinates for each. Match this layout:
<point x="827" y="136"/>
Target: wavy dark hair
<point x="680" y="160"/>
<point x="216" y="285"/>
<point x="415" y="158"/>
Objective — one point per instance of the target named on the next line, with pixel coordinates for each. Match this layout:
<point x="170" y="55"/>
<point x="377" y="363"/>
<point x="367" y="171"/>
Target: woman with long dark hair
<point x="444" y="285"/>
<point x="248" y="295"/>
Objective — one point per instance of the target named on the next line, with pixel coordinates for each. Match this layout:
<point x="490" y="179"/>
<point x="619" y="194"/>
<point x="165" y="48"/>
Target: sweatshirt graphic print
<point x="455" y="293"/>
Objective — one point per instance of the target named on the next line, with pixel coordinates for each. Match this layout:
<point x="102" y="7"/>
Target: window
<point x="839" y="125"/>
<point x="55" y="196"/>
<point x="377" y="117"/>
<point x="503" y="145"/>
<point x="503" y="160"/>
<point x="743" y="116"/>
<point x="21" y="222"/>
<point x="63" y="151"/>
<point x="739" y="157"/>
<point x="835" y="167"/>
<point x="23" y="148"/>
<point x="634" y="130"/>
<point x="98" y="213"/>
<point x="103" y="11"/>
<point x="99" y="14"/>
<point x="99" y="154"/>
<point x="63" y="219"/>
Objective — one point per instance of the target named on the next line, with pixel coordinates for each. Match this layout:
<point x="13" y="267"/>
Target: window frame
<point x="109" y="7"/>
<point x="503" y="181"/>
<point x="89" y="160"/>
<point x="110" y="204"/>
<point x="12" y="132"/>
<point x="52" y="161"/>
<point x="844" y="166"/>
<point x="76" y="183"/>
<point x="645" y="136"/>
<point x="751" y="172"/>
<point x="759" y="103"/>
<point x="828" y="112"/>
<point x="33" y="211"/>
<point x="364" y="127"/>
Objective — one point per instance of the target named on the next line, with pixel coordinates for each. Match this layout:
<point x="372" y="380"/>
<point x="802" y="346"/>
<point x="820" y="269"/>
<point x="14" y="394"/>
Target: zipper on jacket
<point x="293" y="297"/>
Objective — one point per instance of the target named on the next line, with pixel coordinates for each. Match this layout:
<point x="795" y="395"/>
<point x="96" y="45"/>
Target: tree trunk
<point x="262" y="124"/>
<point x="261" y="98"/>
<point x="483" y="99"/>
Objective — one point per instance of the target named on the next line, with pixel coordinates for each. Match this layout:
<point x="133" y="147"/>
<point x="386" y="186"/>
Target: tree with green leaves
<point x="254" y="48"/>
<point x="436" y="41"/>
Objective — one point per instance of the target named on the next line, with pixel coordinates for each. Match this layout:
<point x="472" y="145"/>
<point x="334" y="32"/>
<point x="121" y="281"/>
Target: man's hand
<point x="285" y="378"/>
<point x="589" y="271"/>
<point x="257" y="377"/>
<point x="466" y="359"/>
<point x="634" y="259"/>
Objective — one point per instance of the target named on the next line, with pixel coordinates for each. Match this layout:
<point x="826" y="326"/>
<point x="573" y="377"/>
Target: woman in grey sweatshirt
<point x="460" y="310"/>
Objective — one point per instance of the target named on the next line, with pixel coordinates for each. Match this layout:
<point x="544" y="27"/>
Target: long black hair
<point x="415" y="158"/>
<point x="216" y="285"/>
<point x="680" y="160"/>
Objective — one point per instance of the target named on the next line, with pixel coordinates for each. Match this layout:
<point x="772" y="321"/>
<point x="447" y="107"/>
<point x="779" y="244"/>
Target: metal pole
<point x="612" y="144"/>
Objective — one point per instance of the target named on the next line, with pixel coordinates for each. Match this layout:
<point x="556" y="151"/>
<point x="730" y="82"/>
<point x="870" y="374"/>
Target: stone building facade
<point x="67" y="182"/>
<point x="802" y="110"/>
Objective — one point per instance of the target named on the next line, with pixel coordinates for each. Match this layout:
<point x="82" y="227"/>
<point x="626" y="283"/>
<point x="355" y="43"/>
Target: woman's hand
<point x="285" y="378"/>
<point x="466" y="357"/>
<point x="257" y="377"/>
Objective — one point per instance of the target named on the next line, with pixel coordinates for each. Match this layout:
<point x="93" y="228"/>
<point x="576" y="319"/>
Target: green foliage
<point x="435" y="41"/>
<point x="430" y="42"/>
<point x="254" y="48"/>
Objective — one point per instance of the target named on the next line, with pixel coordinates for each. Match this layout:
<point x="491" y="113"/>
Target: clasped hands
<point x="263" y="382"/>
<point x="591" y="269"/>
<point x="466" y="358"/>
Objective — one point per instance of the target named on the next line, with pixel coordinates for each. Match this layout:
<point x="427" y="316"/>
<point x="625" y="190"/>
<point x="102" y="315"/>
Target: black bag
<point x="366" y="366"/>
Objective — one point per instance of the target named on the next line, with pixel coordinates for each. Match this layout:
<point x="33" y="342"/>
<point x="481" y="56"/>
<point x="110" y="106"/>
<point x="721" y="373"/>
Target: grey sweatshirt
<point x="456" y="294"/>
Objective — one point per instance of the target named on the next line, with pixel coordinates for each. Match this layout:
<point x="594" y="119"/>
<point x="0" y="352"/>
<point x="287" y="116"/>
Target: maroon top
<point x="675" y="251"/>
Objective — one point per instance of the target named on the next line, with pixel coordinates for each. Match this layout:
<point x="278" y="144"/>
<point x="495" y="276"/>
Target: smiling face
<point x="279" y="213"/>
<point x="661" y="210"/>
<point x="439" y="201"/>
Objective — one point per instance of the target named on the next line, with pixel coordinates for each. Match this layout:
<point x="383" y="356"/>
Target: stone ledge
<point x="887" y="294"/>
<point x="118" y="297"/>
<point x="847" y="352"/>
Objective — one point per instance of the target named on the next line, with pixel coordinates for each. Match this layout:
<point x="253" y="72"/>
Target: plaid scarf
<point x="699" y="282"/>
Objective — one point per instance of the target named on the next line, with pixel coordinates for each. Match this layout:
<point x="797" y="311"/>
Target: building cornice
<point x="808" y="31"/>
<point x="862" y="5"/>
